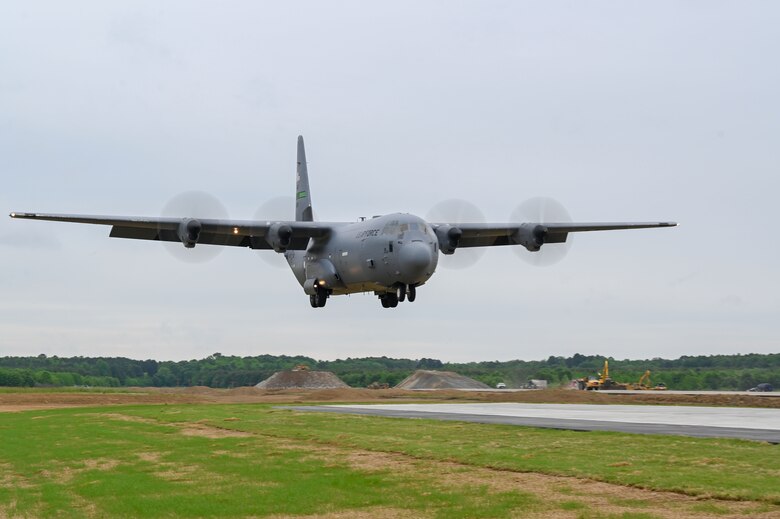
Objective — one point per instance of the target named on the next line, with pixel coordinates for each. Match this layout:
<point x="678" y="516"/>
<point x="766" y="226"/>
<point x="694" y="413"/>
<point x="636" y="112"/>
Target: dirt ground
<point x="568" y="496"/>
<point x="38" y="399"/>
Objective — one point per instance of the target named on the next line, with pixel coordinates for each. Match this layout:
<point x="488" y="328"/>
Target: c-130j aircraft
<point x="390" y="255"/>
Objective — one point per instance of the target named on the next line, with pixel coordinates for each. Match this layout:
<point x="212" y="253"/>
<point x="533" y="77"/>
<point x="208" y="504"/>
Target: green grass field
<point x="256" y="460"/>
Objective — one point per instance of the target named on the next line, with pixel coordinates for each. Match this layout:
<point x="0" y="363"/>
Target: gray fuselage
<point x="372" y="255"/>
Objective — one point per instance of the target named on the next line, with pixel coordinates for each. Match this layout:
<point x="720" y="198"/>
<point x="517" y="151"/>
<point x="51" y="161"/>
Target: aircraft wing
<point x="238" y="233"/>
<point x="531" y="235"/>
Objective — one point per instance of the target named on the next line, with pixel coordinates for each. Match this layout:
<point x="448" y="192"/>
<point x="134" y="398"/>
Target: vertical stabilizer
<point x="303" y="211"/>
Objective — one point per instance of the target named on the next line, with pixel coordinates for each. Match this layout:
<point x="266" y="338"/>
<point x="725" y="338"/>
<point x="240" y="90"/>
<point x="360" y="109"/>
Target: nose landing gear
<point x="319" y="299"/>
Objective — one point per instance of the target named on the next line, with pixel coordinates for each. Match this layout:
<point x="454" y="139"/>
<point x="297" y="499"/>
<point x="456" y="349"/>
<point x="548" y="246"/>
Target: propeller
<point x="542" y="210"/>
<point x="275" y="209"/>
<point x="196" y="205"/>
<point x="455" y="211"/>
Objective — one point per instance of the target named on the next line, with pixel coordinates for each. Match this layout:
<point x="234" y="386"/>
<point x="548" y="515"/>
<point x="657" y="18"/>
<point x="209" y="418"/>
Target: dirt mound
<point x="303" y="379"/>
<point x="423" y="379"/>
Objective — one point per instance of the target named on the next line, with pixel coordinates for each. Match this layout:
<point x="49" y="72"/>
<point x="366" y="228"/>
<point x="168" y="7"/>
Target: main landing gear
<point x="319" y="299"/>
<point x="388" y="300"/>
<point x="399" y="295"/>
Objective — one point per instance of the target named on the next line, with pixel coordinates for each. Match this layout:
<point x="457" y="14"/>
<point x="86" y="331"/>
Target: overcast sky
<point x="619" y="110"/>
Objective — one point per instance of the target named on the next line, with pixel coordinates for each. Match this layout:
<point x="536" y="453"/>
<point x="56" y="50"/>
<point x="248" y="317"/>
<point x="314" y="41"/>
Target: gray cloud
<point x="621" y="111"/>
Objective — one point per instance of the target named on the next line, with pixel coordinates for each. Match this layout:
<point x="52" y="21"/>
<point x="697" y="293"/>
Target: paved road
<point x="711" y="422"/>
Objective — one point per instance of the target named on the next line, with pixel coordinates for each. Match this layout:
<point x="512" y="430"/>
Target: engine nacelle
<point x="449" y="238"/>
<point x="279" y="237"/>
<point x="189" y="232"/>
<point x="530" y="236"/>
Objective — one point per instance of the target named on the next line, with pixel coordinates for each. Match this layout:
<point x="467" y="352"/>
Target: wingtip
<point x="17" y="214"/>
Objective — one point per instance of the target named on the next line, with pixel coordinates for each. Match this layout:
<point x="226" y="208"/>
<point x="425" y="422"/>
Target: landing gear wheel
<point x="388" y="300"/>
<point x="313" y="300"/>
<point x="400" y="292"/>
<point x="322" y="298"/>
<point x="411" y="293"/>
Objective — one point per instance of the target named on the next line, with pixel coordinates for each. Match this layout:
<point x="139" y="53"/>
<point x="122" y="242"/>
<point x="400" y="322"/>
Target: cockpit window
<point x="397" y="228"/>
<point x="391" y="227"/>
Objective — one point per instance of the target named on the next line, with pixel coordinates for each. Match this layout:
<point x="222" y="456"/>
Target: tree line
<point x="713" y="372"/>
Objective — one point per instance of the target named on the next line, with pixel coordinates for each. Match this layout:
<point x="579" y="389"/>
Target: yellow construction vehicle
<point x="645" y="384"/>
<point x="603" y="382"/>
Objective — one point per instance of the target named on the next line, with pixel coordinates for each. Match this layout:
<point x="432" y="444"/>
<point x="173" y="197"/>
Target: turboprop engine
<point x="530" y="236"/>
<point x="449" y="238"/>
<point x="279" y="237"/>
<point x="189" y="232"/>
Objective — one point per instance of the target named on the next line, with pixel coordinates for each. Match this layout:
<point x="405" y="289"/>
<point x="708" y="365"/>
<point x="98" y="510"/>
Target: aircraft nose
<point x="415" y="258"/>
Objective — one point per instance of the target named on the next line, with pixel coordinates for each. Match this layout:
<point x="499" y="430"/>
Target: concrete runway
<point x="708" y="422"/>
<point x="770" y="394"/>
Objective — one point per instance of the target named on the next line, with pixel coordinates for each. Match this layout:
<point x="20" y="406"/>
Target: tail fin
<point x="303" y="210"/>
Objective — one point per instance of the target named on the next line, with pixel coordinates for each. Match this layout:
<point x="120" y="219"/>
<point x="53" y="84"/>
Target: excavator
<point x="645" y="384"/>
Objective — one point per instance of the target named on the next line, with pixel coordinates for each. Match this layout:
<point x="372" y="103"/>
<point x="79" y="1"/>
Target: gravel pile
<point x="423" y="379"/>
<point x="302" y="379"/>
